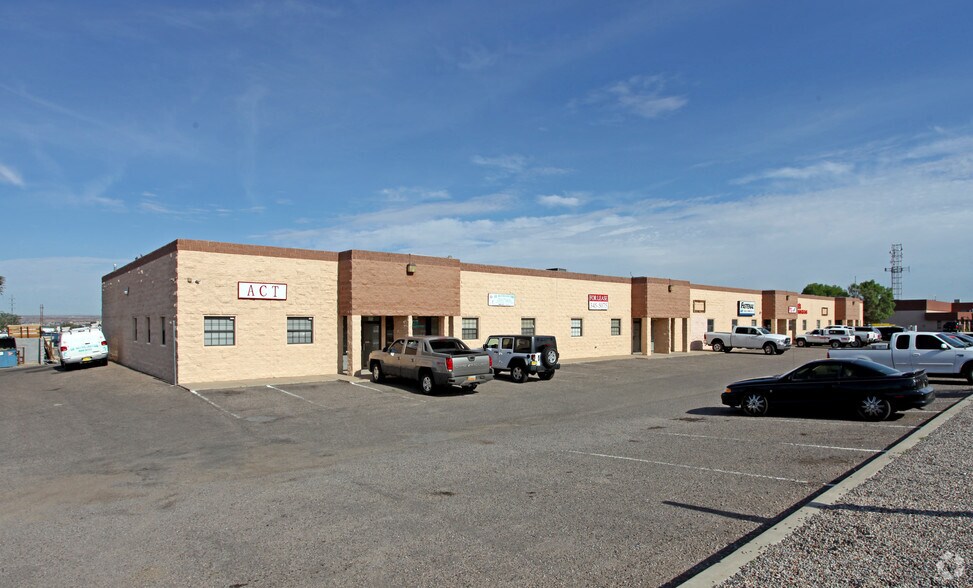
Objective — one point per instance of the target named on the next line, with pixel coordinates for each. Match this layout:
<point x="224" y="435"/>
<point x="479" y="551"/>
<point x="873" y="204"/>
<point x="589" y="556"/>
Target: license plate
<point x="84" y="359"/>
<point x="470" y="378"/>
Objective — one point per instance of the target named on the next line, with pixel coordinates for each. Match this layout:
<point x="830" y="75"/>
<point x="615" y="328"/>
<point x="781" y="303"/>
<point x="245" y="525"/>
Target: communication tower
<point x="896" y="270"/>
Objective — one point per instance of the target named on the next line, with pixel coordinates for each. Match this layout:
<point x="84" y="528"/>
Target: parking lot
<point x="614" y="472"/>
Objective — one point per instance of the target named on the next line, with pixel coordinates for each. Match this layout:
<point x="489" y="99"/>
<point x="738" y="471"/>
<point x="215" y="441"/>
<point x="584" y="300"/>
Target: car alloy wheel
<point x="874" y="408"/>
<point x="754" y="404"/>
<point x="517" y="374"/>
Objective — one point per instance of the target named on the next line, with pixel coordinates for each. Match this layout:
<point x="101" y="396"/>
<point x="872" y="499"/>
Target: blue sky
<point x="746" y="144"/>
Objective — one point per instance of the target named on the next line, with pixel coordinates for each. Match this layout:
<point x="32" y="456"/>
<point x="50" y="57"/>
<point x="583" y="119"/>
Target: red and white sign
<point x="791" y="310"/>
<point x="261" y="291"/>
<point x="597" y="301"/>
<point x="801" y="310"/>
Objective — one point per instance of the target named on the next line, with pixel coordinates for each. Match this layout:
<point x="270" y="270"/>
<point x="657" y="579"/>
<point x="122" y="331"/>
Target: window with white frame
<point x="471" y="328"/>
<point x="616" y="327"/>
<point x="300" y="330"/>
<point x="219" y="331"/>
<point x="576" y="327"/>
<point x="527" y="326"/>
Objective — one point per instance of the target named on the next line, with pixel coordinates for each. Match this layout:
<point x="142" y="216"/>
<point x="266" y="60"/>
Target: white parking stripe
<point x="835" y="448"/>
<point x="391" y="391"/>
<point x="846" y="423"/>
<point x="298" y="396"/>
<point x="690" y="467"/>
<point x="217" y="406"/>
<point x="782" y="443"/>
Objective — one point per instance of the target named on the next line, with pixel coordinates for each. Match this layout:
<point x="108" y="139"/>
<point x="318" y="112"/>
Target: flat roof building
<point x="201" y="311"/>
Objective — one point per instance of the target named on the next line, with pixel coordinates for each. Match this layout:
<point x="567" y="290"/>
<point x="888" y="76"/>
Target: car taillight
<point x="64" y="348"/>
<point x="828" y="356"/>
<point x="449" y="364"/>
<point x="103" y="343"/>
<point x="490" y="357"/>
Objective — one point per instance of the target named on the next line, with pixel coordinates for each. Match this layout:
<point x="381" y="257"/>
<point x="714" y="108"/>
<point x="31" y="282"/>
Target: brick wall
<point x="552" y="299"/>
<point x="377" y="284"/>
<point x="133" y="323"/>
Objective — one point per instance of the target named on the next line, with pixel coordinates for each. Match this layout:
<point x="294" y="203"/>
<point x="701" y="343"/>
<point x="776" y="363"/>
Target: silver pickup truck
<point x="940" y="354"/>
<point x="432" y="362"/>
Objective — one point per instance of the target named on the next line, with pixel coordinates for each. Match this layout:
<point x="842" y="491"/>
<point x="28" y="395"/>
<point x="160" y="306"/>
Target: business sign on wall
<point x="746" y="308"/>
<point x="501" y="299"/>
<point x="791" y="310"/>
<point x="597" y="301"/>
<point x="261" y="291"/>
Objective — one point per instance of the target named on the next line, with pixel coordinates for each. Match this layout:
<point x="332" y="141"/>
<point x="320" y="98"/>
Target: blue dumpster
<point x="8" y="358"/>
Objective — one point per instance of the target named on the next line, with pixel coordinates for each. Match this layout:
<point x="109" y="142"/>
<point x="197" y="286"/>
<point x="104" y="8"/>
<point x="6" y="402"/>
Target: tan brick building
<point x="199" y="311"/>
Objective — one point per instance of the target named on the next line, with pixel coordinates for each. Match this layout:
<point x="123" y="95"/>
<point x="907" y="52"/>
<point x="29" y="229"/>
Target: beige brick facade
<point x="359" y="300"/>
<point x="721" y="306"/>
<point x="553" y="300"/>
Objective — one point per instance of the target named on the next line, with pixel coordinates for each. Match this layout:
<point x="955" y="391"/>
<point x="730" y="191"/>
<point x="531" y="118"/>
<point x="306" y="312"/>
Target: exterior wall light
<point x="126" y="291"/>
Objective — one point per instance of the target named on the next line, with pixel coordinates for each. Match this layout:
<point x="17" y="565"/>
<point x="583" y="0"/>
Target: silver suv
<point x="523" y="355"/>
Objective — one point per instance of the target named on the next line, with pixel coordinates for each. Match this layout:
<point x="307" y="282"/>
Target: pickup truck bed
<point x="940" y="354"/>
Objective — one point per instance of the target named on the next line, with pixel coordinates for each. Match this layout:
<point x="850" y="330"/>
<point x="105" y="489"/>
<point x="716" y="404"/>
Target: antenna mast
<point x="896" y="270"/>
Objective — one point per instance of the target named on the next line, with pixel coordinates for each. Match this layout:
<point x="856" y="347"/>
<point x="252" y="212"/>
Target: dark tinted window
<point x="928" y="342"/>
<point x="867" y="370"/>
<point x="522" y="345"/>
<point x="902" y="341"/>
<point x="542" y="341"/>
<point x="448" y="345"/>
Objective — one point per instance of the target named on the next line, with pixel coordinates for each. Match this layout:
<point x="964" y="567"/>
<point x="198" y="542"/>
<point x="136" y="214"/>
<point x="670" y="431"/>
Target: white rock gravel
<point x="909" y="525"/>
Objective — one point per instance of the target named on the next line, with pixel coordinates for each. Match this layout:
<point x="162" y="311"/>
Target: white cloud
<point x="554" y="200"/>
<point x="507" y="163"/>
<point x="824" y="169"/>
<point x="10" y="176"/>
<point x="643" y="96"/>
<point x="515" y="166"/>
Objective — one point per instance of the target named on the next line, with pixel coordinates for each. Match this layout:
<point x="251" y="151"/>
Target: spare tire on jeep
<point x="549" y="356"/>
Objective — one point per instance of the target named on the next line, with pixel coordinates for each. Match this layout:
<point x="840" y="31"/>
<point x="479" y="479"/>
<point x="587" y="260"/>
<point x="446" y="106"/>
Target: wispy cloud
<point x="515" y="166"/>
<point x="555" y="201"/>
<point x="10" y="176"/>
<point x="824" y="169"/>
<point x="403" y="194"/>
<point x="654" y="236"/>
<point x="642" y="96"/>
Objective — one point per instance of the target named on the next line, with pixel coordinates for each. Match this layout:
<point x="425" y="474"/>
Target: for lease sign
<point x="261" y="291"/>
<point x="597" y="301"/>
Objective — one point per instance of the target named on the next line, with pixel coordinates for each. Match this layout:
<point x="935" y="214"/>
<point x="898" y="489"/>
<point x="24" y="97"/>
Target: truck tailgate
<point x="471" y="364"/>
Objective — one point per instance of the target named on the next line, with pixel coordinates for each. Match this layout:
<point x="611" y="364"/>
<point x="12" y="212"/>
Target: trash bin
<point x="8" y="358"/>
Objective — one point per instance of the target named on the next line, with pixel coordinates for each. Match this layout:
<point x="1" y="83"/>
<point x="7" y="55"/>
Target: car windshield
<point x="764" y="331"/>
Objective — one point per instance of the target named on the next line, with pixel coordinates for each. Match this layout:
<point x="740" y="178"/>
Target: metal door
<point x="637" y="335"/>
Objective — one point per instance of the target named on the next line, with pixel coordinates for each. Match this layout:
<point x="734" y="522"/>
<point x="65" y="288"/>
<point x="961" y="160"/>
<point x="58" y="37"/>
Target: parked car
<point x="940" y="354"/>
<point x="866" y="336"/>
<point x="952" y="326"/>
<point x="432" y="362"/>
<point x="835" y="337"/>
<point x="748" y="338"/>
<point x="523" y="355"/>
<point x="83" y="346"/>
<point x="887" y="332"/>
<point x="872" y="390"/>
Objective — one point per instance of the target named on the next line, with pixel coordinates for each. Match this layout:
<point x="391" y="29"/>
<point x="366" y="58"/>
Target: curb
<point x="729" y="566"/>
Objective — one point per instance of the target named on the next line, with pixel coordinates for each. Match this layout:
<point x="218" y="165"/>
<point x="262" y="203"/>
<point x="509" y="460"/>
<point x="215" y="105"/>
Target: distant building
<point x="933" y="315"/>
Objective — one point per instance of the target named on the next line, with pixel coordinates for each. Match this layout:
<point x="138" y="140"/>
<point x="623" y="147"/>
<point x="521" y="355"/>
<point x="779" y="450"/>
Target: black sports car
<point x="873" y="390"/>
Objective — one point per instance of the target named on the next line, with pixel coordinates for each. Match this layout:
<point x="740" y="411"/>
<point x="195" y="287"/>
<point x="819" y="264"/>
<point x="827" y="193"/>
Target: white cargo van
<point x="86" y="345"/>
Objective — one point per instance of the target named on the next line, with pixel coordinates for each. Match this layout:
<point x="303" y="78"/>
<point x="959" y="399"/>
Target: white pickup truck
<point x="748" y="338"/>
<point x="940" y="354"/>
<point x="835" y="337"/>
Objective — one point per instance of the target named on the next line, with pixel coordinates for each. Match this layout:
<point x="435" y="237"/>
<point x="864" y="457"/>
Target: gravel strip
<point x="909" y="525"/>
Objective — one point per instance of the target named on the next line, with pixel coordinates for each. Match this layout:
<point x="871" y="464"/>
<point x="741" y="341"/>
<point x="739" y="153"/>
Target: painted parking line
<point x="782" y="442"/>
<point x="298" y="396"/>
<point x="692" y="467"/>
<point x="766" y="419"/>
<point x="217" y="406"/>
<point x="391" y="391"/>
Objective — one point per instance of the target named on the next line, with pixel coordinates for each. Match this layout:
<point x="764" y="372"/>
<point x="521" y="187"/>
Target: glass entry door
<point x="371" y="337"/>
<point x="637" y="335"/>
